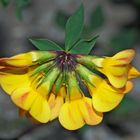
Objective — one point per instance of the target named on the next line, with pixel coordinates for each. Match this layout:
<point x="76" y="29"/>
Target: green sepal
<point x="40" y="57"/>
<point x="42" y="68"/>
<point x="74" y="27"/>
<point x="84" y="46"/>
<point x="45" y="45"/>
<point x="89" y="61"/>
<point x="84" y="73"/>
<point x="73" y="89"/>
<point x="59" y="83"/>
<point x="50" y="77"/>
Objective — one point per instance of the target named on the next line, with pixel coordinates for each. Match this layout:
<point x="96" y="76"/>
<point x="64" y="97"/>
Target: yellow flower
<point x="48" y="85"/>
<point x="78" y="109"/>
<point x="27" y="91"/>
<point x="105" y="97"/>
<point x="115" y="68"/>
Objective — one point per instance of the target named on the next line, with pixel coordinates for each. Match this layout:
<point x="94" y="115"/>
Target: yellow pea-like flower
<point x="48" y="85"/>
<point x="116" y="68"/>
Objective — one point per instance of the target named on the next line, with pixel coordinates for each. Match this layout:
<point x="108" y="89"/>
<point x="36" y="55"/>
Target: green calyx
<point x="40" y="57"/>
<point x="84" y="73"/>
<point x="91" y="61"/>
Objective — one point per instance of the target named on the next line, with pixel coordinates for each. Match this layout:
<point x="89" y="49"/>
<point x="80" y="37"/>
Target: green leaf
<point x="97" y="18"/>
<point x="74" y="27"/>
<point x="20" y="4"/>
<point x="61" y="19"/>
<point x="5" y="3"/>
<point x="45" y="45"/>
<point x="84" y="46"/>
<point x="124" y="40"/>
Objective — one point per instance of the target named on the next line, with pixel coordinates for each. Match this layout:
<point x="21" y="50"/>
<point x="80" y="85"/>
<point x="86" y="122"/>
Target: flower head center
<point x="65" y="60"/>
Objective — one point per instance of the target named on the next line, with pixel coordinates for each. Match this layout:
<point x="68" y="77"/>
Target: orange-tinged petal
<point x="128" y="87"/>
<point x="10" y="82"/>
<point x="70" y="116"/>
<point x="90" y="116"/>
<point x="55" y="104"/>
<point x="40" y="109"/>
<point x="116" y="68"/>
<point x="23" y="97"/>
<point x="124" y="57"/>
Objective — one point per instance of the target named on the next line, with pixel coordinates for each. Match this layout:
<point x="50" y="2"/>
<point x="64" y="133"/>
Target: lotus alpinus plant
<point x="48" y="83"/>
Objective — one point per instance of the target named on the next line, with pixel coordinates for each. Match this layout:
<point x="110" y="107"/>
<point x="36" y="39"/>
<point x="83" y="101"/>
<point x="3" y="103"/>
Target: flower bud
<point x="90" y="61"/>
<point x="27" y="59"/>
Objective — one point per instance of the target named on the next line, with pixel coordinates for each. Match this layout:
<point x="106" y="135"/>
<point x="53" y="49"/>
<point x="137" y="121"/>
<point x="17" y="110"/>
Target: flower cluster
<point x="50" y="84"/>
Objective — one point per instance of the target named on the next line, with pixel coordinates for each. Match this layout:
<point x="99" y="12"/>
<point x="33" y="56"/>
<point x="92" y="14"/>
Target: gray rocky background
<point x="42" y="18"/>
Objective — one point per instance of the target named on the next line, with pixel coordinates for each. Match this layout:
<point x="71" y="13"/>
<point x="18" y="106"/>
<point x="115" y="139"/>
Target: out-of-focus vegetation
<point x="19" y="6"/>
<point x="126" y="37"/>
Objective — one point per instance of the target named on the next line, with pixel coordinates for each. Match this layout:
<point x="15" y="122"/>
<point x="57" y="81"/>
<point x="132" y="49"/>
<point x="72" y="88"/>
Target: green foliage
<point x="45" y="45"/>
<point x="20" y="5"/>
<point x="73" y="43"/>
<point x="97" y="18"/>
<point x="61" y="19"/>
<point x="124" y="40"/>
<point x="74" y="27"/>
<point x="84" y="46"/>
<point x="5" y="3"/>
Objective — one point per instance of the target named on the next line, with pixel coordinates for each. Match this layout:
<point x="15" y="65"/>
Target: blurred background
<point x="118" y="24"/>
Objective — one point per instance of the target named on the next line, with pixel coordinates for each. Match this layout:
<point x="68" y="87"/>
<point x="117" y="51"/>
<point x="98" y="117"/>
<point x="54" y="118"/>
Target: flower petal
<point x="124" y="57"/>
<point x="10" y="82"/>
<point x="105" y="97"/>
<point x="70" y="116"/>
<point x="40" y="109"/>
<point x="116" y="68"/>
<point x="90" y="116"/>
<point x="55" y="104"/>
<point x="20" y="60"/>
<point x="133" y="73"/>
<point x="23" y="97"/>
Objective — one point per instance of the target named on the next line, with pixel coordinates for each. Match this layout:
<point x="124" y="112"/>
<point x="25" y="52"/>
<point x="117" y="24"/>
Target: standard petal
<point x="90" y="116"/>
<point x="124" y="57"/>
<point x="40" y="109"/>
<point x="116" y="68"/>
<point x="70" y="116"/>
